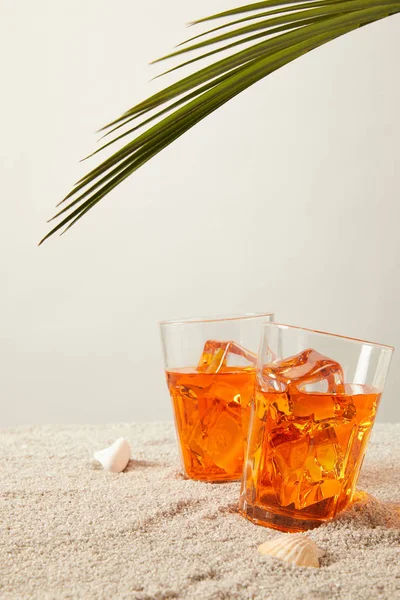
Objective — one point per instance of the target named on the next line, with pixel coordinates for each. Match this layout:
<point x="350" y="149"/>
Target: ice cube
<point x="216" y="354"/>
<point x="201" y="423"/>
<point x="306" y="369"/>
<point x="326" y="451"/>
<point x="322" y="469"/>
<point x="289" y="449"/>
<point x="321" y="476"/>
<point x="225" y="442"/>
<point x="217" y="437"/>
<point x="226" y="391"/>
<point x="304" y="467"/>
<point x="312" y="384"/>
<point x="345" y="409"/>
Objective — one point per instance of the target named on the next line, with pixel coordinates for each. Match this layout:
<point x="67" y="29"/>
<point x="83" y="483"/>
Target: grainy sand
<point x="69" y="530"/>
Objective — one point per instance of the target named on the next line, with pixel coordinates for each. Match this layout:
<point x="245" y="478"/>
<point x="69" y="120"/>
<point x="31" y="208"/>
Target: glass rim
<point x="336" y="335"/>
<point x="217" y="318"/>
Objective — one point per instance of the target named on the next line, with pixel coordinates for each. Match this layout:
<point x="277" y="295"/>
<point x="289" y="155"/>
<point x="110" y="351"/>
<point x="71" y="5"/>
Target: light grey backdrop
<point x="287" y="200"/>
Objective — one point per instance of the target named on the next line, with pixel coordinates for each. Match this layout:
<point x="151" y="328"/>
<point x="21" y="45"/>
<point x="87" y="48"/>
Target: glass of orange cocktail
<point x="315" y="401"/>
<point x="210" y="368"/>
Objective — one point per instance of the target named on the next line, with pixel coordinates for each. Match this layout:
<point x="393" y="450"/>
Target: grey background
<point x="285" y="200"/>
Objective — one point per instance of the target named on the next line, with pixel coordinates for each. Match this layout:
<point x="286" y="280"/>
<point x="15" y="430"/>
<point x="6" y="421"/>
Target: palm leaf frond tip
<point x="274" y="33"/>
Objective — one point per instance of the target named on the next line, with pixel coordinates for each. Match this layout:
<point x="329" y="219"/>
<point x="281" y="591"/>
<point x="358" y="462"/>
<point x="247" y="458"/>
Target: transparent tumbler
<point x="315" y="401"/>
<point x="210" y="368"/>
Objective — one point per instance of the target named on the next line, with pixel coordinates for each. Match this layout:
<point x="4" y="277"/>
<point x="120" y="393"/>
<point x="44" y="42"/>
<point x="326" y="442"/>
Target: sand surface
<point x="70" y="530"/>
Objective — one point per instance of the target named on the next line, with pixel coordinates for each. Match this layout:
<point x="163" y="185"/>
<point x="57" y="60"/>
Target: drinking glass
<point x="210" y="368"/>
<point x="315" y="400"/>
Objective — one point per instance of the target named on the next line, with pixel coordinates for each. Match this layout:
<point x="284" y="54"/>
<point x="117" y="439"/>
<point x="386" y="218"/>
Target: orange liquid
<point x="211" y="415"/>
<point x="306" y="448"/>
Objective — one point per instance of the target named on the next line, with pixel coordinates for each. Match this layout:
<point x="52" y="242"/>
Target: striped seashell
<point x="297" y="549"/>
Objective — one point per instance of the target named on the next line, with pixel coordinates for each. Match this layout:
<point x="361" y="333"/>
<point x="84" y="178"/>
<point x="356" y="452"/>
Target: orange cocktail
<point x="210" y="366"/>
<point x="211" y="414"/>
<point x="311" y="420"/>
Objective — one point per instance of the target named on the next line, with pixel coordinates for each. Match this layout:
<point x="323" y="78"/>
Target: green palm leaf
<point x="272" y="38"/>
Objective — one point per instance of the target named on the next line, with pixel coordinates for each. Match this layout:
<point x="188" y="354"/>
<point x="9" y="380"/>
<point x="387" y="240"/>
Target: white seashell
<point x="297" y="549"/>
<point x="116" y="457"/>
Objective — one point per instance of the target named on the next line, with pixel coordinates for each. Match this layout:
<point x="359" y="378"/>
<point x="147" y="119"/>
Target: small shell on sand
<point x="293" y="548"/>
<point x="115" y="457"/>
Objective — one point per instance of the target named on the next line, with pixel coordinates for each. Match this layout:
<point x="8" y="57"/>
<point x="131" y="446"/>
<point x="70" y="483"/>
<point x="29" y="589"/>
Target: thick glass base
<point x="211" y="477"/>
<point x="281" y="522"/>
